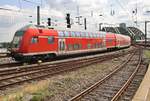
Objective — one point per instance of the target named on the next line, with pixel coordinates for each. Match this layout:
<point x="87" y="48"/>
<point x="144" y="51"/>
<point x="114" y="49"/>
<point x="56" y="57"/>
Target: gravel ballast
<point x="62" y="87"/>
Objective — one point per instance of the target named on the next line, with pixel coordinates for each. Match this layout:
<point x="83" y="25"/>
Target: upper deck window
<point x="72" y="34"/>
<point x="97" y="35"/>
<point x="87" y="35"/>
<point x="90" y="35"/>
<point x="78" y="34"/>
<point x="66" y="34"/>
<point x="61" y="34"/>
<point x="82" y="34"/>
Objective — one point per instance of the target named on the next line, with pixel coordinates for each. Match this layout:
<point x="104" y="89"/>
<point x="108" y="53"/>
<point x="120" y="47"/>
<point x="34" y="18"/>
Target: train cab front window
<point x="17" y="39"/>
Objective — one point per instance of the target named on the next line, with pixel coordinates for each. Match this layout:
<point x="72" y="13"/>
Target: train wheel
<point x="25" y="63"/>
<point x="39" y="62"/>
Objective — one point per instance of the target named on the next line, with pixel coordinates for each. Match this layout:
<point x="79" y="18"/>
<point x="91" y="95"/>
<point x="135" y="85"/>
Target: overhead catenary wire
<point x="125" y="9"/>
<point x="7" y="9"/>
<point x="36" y="3"/>
<point x="20" y="10"/>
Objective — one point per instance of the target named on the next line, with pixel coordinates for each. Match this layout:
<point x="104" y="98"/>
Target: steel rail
<point x="124" y="87"/>
<point x="88" y="90"/>
<point x="9" y="71"/>
<point x="51" y="71"/>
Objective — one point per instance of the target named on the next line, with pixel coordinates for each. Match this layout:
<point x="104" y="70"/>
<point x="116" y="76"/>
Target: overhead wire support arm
<point x="32" y="2"/>
<point x="79" y="17"/>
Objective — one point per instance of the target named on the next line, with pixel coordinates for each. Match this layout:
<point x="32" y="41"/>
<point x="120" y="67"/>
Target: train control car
<point x="39" y="43"/>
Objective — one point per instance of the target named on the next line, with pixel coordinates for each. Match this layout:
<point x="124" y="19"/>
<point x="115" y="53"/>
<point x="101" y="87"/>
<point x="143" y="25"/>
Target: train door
<point x="61" y="46"/>
<point x="103" y="37"/>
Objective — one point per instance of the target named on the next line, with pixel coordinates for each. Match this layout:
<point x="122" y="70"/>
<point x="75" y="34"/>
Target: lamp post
<point x="100" y="24"/>
<point x="146" y="22"/>
<point x="38" y="15"/>
<point x="85" y="27"/>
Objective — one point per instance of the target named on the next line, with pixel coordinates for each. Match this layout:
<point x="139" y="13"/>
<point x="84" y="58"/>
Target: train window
<point x="66" y="34"/>
<point x="89" y="46"/>
<point x="73" y="34"/>
<point x="97" y="45"/>
<point x="70" y="47"/>
<point x="61" y="34"/>
<point x="101" y="44"/>
<point x="94" y="35"/>
<point x="16" y="41"/>
<point x="76" y="46"/>
<point x="50" y="39"/>
<point x="100" y="35"/>
<point x="87" y="35"/>
<point x="34" y="40"/>
<point x="90" y="35"/>
<point x="78" y="34"/>
<point x="83" y="34"/>
<point x="97" y="35"/>
<point x="80" y="46"/>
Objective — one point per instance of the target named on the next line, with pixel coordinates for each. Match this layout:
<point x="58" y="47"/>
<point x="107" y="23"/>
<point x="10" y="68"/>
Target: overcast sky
<point x="112" y="11"/>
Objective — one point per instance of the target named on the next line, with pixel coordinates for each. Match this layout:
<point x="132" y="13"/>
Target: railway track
<point x="18" y="69"/>
<point x="113" y="86"/>
<point x="130" y="91"/>
<point x="9" y="65"/>
<point x="13" y="76"/>
<point x="3" y="55"/>
<point x="17" y="64"/>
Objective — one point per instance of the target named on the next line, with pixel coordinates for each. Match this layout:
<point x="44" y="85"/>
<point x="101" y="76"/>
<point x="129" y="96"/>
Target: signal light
<point x="68" y="20"/>
<point x="49" y="21"/>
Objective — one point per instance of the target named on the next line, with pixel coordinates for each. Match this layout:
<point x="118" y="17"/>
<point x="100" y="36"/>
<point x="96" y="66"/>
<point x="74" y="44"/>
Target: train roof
<point x="58" y="29"/>
<point x="61" y="29"/>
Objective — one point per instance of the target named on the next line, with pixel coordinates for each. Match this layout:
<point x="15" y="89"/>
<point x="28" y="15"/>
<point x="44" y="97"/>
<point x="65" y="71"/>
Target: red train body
<point x="33" y="42"/>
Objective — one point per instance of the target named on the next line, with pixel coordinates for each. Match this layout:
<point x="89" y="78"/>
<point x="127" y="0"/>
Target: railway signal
<point x="49" y="21"/>
<point x="68" y="20"/>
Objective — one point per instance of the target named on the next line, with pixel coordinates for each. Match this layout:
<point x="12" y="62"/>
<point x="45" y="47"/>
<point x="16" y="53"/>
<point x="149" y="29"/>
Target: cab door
<point x="61" y="46"/>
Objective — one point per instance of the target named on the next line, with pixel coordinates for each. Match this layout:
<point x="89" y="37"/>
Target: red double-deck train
<point x="35" y="42"/>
